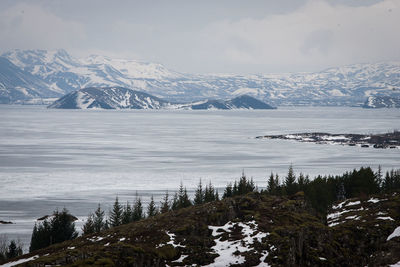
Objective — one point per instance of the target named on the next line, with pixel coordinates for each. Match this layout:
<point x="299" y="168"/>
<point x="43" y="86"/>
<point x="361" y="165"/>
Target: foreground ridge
<point x="250" y="230"/>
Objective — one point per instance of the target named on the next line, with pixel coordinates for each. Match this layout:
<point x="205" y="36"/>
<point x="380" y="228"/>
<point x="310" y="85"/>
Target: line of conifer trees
<point x="58" y="228"/>
<point x="9" y="249"/>
<point x="321" y="192"/>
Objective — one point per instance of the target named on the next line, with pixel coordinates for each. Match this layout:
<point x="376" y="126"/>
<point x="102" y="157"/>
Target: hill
<point x="249" y="230"/>
<point x="124" y="98"/>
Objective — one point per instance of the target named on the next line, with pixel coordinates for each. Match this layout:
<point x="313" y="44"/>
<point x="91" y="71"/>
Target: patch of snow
<point x="353" y="203"/>
<point x="95" y="238"/>
<point x="13" y="263"/>
<point x="385" y="218"/>
<point x="106" y="245"/>
<point x="395" y="233"/>
<point x="375" y="200"/>
<point x="333" y="217"/>
<point x="171" y="241"/>
<point x="122" y="239"/>
<point x="338" y="206"/>
<point x="70" y="247"/>
<point x="226" y="249"/>
<point x="181" y="258"/>
<point x="395" y="265"/>
<point x="354" y="217"/>
<point x="322" y="258"/>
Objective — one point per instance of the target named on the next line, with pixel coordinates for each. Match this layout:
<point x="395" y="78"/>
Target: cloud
<point x="316" y="35"/>
<point x="29" y="26"/>
<point x="207" y="37"/>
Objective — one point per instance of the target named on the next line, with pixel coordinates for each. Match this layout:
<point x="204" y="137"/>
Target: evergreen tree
<point x="290" y="182"/>
<point x="175" y="202"/>
<point x="228" y="191"/>
<point x="127" y="214"/>
<point x="301" y="181"/>
<point x="13" y="250"/>
<point x="271" y="186"/>
<point x="379" y="176"/>
<point x="235" y="191"/>
<point x="88" y="227"/>
<point x="209" y="193"/>
<point x="137" y="214"/>
<point x="151" y="208"/>
<point x="165" y="205"/>
<point x="3" y="247"/>
<point x="98" y="220"/>
<point x="116" y="214"/>
<point x="62" y="227"/>
<point x="341" y="195"/>
<point x="199" y="195"/>
<point x="183" y="198"/>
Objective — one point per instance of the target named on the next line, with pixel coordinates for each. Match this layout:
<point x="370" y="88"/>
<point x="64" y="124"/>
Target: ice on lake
<point x="76" y="158"/>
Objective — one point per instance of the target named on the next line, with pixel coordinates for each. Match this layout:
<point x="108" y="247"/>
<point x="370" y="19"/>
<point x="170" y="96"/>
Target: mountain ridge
<point x="342" y="86"/>
<point x="124" y="98"/>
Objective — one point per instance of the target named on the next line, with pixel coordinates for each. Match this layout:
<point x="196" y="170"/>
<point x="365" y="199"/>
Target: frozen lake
<point x="77" y="158"/>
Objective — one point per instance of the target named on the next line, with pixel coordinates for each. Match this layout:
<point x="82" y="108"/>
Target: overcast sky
<point x="213" y="36"/>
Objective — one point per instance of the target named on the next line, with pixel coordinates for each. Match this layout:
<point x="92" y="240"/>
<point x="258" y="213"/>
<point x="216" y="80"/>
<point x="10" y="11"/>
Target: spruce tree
<point x="151" y="208"/>
<point x="175" y="202"/>
<point x="116" y="214"/>
<point x="183" y="198"/>
<point x="271" y="188"/>
<point x="379" y="176"/>
<point x="62" y="227"/>
<point x="209" y="194"/>
<point x="127" y="214"/>
<point x="13" y="250"/>
<point x="228" y="191"/>
<point x="301" y="181"/>
<point x="137" y="213"/>
<point x="165" y="205"/>
<point x="199" y="195"/>
<point x="98" y="220"/>
<point x="290" y="182"/>
<point x="88" y="227"/>
<point x="235" y="191"/>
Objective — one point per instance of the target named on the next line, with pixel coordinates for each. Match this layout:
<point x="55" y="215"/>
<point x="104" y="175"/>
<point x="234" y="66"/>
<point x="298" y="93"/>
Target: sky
<point x="210" y="36"/>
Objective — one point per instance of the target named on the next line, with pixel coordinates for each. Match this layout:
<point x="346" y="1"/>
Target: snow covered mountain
<point x="108" y="98"/>
<point x="19" y="85"/>
<point x="240" y="102"/>
<point x="349" y="85"/>
<point x="124" y="98"/>
<point x="382" y="102"/>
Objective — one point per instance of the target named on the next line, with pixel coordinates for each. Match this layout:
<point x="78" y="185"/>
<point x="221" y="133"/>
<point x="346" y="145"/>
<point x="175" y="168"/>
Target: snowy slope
<point x="108" y="98"/>
<point x="382" y="102"/>
<point x="19" y="85"/>
<point x="124" y="98"/>
<point x="348" y="85"/>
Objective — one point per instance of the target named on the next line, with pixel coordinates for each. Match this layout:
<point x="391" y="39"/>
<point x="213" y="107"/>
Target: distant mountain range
<point x="29" y="75"/>
<point x="124" y="98"/>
